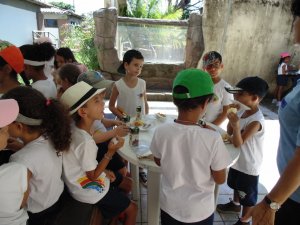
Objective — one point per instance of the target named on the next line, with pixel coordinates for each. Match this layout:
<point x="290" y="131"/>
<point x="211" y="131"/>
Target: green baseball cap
<point x="197" y="82"/>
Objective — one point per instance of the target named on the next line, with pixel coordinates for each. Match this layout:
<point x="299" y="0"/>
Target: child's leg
<point x="236" y="197"/>
<point x="246" y="209"/>
<point x="130" y="214"/>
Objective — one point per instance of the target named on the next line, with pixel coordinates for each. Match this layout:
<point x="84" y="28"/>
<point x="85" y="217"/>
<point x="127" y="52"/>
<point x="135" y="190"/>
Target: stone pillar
<point x="105" y="36"/>
<point x="194" y="41"/>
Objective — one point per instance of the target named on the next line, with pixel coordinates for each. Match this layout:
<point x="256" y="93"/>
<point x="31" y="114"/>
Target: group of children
<point x="65" y="140"/>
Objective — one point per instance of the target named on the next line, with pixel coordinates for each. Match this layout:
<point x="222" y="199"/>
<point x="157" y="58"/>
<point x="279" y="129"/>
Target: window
<point x="50" y="23"/>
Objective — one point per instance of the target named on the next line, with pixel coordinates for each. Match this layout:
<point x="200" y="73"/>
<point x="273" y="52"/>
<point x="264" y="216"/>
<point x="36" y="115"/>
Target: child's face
<point x="134" y="68"/>
<point x="214" y="69"/>
<point x="3" y="137"/>
<point x="60" y="61"/>
<point x="246" y="98"/>
<point x="65" y="84"/>
<point x="95" y="107"/>
<point x="287" y="59"/>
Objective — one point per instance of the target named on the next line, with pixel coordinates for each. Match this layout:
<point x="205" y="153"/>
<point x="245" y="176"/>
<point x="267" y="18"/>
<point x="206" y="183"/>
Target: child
<point x="99" y="131"/>
<point x="68" y="75"/>
<point x="83" y="175"/>
<point x="130" y="92"/>
<point x="282" y="80"/>
<point x="44" y="127"/>
<point x="247" y="129"/>
<point x="65" y="55"/>
<point x="35" y="57"/>
<point x="192" y="158"/>
<point x="13" y="176"/>
<point x="11" y="63"/>
<point x="216" y="112"/>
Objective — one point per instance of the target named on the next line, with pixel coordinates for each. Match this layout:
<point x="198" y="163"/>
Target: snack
<point x="137" y="123"/>
<point x="160" y="116"/>
<point x="226" y="137"/>
<point x="232" y="110"/>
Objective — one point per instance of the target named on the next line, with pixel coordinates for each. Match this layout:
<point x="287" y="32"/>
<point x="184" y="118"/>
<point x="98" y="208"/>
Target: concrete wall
<point x="249" y="34"/>
<point x="17" y="21"/>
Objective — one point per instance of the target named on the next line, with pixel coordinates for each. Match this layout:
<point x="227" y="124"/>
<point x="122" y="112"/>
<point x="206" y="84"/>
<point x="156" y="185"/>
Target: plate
<point x="225" y="136"/>
<point x="142" y="150"/>
<point x="241" y="105"/>
<point x="145" y="127"/>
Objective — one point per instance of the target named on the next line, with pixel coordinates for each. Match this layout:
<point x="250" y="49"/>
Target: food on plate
<point x="138" y="123"/>
<point x="232" y="110"/>
<point x="226" y="137"/>
<point x="161" y="114"/>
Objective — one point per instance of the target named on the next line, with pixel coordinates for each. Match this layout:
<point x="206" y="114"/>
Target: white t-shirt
<point x="98" y="126"/>
<point x="46" y="185"/>
<point x="130" y="98"/>
<point x="187" y="155"/>
<point x="215" y="108"/>
<point x="81" y="158"/>
<point x="46" y="87"/>
<point x="251" y="155"/>
<point x="279" y="70"/>
<point x="13" y="185"/>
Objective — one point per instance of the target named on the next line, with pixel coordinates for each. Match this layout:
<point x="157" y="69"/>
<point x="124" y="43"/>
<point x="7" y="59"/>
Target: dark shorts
<point x="113" y="203"/>
<point x="245" y="184"/>
<point x="288" y="213"/>
<point x="166" y="219"/>
<point x="116" y="163"/>
<point x="282" y="80"/>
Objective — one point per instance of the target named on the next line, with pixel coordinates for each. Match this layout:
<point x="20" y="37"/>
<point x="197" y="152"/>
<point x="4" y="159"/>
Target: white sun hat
<point x="78" y="94"/>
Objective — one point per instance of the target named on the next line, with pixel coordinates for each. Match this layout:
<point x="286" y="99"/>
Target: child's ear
<point x="82" y="112"/>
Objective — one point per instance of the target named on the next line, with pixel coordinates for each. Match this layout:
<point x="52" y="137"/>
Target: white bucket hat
<point x="78" y="94"/>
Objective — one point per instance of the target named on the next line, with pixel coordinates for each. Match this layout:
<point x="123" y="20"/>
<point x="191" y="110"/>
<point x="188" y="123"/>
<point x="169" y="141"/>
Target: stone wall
<point x="249" y="34"/>
<point x="157" y="76"/>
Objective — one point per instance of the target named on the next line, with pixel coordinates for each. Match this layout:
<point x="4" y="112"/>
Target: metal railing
<point x="36" y="34"/>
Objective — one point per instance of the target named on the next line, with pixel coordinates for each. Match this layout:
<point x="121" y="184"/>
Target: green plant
<point x="80" y="38"/>
<point x="62" y="5"/>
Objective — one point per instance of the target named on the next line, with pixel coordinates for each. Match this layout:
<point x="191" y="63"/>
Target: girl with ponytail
<point x="44" y="127"/>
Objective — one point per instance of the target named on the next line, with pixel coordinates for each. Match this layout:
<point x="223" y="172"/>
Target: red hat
<point x="12" y="55"/>
<point x="284" y="54"/>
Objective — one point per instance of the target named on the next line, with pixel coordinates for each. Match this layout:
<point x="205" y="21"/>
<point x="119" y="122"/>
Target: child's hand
<point x="234" y="120"/>
<point x="118" y="123"/>
<point x="121" y="130"/>
<point x="110" y="175"/>
<point x="115" y="144"/>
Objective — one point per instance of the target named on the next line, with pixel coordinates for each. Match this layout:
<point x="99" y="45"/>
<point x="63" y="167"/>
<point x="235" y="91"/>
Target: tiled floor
<point x="269" y="173"/>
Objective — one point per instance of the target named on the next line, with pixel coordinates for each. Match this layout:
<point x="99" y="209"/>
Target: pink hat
<point x="9" y="110"/>
<point x="284" y="54"/>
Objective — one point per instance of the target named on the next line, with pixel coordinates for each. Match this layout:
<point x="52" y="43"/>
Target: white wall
<point x="17" y="24"/>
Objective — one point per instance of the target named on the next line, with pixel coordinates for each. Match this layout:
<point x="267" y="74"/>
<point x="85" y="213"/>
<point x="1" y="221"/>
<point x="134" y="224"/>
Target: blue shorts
<point x="282" y="80"/>
<point x="246" y="185"/>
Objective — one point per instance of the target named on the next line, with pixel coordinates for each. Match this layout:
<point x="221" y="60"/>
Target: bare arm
<point x="288" y="182"/>
<point x="112" y="148"/>
<point x="222" y="116"/>
<point x="219" y="176"/>
<point x="112" y="102"/>
<point x="26" y="194"/>
<point x="284" y="69"/>
<point x="120" y="131"/>
<point x="110" y="123"/>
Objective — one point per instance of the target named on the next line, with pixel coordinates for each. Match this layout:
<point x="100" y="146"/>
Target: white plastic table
<point x="154" y="171"/>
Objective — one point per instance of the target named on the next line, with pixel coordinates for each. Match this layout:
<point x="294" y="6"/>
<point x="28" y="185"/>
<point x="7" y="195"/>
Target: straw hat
<point x="78" y="94"/>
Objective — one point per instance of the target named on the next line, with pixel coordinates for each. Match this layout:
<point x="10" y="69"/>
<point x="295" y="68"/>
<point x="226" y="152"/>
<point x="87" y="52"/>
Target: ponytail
<point x="55" y="123"/>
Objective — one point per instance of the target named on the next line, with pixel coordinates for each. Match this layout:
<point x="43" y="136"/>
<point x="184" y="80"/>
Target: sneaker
<point x="239" y="222"/>
<point x="143" y="178"/>
<point x="229" y="207"/>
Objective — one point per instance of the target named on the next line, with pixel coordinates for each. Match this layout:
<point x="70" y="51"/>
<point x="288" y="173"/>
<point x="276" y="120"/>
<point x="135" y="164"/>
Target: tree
<point x="64" y="6"/>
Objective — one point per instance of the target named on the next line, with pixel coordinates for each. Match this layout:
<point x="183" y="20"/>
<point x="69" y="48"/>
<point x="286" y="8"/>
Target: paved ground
<point x="269" y="174"/>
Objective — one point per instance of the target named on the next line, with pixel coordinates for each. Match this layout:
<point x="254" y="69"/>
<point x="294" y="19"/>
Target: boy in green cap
<point x="192" y="158"/>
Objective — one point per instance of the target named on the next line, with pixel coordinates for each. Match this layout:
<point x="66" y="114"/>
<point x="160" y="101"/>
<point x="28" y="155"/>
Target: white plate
<point x="142" y="150"/>
<point x="241" y="105"/>
<point x="145" y="127"/>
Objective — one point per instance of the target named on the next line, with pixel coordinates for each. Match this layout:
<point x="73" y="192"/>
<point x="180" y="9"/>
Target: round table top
<point x="145" y="137"/>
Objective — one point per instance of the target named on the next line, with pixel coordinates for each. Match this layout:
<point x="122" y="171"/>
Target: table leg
<point x="153" y="198"/>
<point x="134" y="171"/>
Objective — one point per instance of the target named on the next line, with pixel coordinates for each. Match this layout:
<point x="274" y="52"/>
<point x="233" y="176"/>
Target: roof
<point x="54" y="10"/>
<point x="39" y="3"/>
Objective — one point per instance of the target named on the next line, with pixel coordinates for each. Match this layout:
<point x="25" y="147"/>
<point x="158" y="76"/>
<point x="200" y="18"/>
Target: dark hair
<point x="66" y="53"/>
<point x="69" y="72"/>
<point x="190" y="103"/>
<point x="281" y="60"/>
<point x="38" y="52"/>
<point x="54" y="115"/>
<point x="295" y="8"/>
<point x="13" y="74"/>
<point x="128" y="57"/>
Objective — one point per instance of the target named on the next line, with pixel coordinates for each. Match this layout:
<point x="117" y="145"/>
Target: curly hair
<point x="55" y="119"/>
